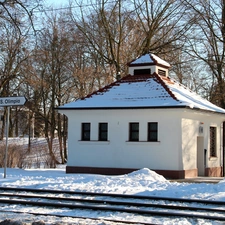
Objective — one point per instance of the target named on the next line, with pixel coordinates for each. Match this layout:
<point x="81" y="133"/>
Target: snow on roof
<point x="190" y="98"/>
<point x="143" y="91"/>
<point x="150" y="58"/>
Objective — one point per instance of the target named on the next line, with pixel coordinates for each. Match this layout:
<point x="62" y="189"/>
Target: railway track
<point x="145" y="206"/>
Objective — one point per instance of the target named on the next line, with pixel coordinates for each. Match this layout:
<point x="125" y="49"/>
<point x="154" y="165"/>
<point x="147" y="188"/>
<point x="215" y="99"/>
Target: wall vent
<point x="162" y="72"/>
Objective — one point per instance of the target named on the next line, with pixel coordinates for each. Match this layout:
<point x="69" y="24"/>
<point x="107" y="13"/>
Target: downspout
<point x="223" y="149"/>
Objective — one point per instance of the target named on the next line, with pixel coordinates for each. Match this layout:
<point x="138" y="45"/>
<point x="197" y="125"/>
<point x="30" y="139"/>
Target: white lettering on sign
<point x="12" y="101"/>
<point x="9" y="101"/>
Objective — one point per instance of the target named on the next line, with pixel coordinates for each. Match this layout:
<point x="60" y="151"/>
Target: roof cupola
<point x="148" y="64"/>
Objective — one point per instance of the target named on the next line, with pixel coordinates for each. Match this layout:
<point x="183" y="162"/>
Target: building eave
<point x="207" y="111"/>
<point x="148" y="64"/>
<point x="138" y="107"/>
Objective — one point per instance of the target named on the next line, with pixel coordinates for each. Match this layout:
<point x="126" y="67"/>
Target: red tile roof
<point x="140" y="91"/>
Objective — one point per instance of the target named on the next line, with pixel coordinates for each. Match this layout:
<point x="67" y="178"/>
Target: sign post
<point x="7" y="102"/>
<point x="6" y="144"/>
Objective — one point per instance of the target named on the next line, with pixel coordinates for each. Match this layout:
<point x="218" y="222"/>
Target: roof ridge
<point x="161" y="81"/>
<point x="187" y="88"/>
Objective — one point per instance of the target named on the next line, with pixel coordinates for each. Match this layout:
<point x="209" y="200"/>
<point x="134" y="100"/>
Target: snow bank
<point x="147" y="174"/>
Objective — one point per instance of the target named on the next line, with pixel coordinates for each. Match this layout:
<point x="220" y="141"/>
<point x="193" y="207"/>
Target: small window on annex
<point x="134" y="132"/>
<point x="153" y="131"/>
<point x="103" y="132"/>
<point x="85" y="131"/>
<point x="212" y="141"/>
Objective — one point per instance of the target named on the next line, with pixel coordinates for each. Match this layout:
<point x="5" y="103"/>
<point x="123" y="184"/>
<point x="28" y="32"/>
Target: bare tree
<point x="207" y="42"/>
<point x="52" y="80"/>
<point x="120" y="31"/>
<point x="15" y="23"/>
<point x="106" y="27"/>
<point x="18" y="13"/>
<point x="160" y="24"/>
<point x="12" y="57"/>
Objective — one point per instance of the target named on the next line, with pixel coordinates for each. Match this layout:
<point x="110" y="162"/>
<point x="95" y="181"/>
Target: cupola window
<point x="142" y="72"/>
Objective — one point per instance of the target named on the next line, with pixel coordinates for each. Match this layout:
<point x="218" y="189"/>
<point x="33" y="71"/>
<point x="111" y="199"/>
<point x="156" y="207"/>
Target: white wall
<point x="190" y="131"/>
<point x="214" y="161"/>
<point x="118" y="152"/>
<point x="176" y="148"/>
<point x="189" y="143"/>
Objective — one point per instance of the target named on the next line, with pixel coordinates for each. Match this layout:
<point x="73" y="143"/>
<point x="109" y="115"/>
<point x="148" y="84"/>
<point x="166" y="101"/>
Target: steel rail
<point x="105" y="207"/>
<point x="113" y="202"/>
<point x="114" y="195"/>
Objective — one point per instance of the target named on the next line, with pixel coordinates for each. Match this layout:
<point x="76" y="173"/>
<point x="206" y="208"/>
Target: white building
<point x="145" y="120"/>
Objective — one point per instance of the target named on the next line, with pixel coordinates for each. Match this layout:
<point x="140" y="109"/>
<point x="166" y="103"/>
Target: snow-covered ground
<point x="141" y="182"/>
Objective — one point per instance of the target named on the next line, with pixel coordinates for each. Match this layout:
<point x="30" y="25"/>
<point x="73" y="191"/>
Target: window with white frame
<point x="153" y="131"/>
<point x="103" y="132"/>
<point x="134" y="132"/>
<point x="85" y="131"/>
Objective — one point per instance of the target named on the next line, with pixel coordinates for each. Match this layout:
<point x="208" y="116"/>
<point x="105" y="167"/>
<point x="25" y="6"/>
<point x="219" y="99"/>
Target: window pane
<point x="153" y="136"/>
<point x="153" y="126"/>
<point x="142" y="72"/>
<point x="134" y="126"/>
<point x="153" y="131"/>
<point x="103" y="136"/>
<point x="86" y="136"/>
<point x="134" y="132"/>
<point x="86" y="126"/>
<point x="86" y="132"/>
<point x="213" y="141"/>
<point x="103" y="132"/>
<point x="103" y="126"/>
<point x="134" y="136"/>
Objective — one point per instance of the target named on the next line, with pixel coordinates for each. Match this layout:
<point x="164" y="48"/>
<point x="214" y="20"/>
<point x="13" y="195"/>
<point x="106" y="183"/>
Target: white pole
<point x="7" y="135"/>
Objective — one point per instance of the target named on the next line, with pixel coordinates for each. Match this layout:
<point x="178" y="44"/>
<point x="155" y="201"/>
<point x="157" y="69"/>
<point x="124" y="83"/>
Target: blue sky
<point x="56" y="3"/>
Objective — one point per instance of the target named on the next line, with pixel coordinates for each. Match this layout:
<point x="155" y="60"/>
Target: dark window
<point x="142" y="72"/>
<point x="213" y="141"/>
<point x="86" y="131"/>
<point x="134" y="132"/>
<point x="103" y="132"/>
<point x="153" y="131"/>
